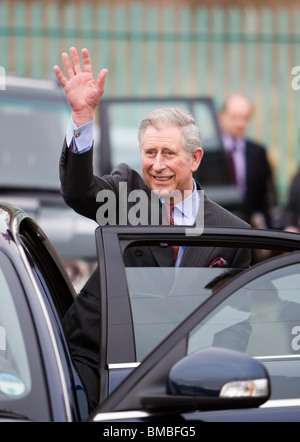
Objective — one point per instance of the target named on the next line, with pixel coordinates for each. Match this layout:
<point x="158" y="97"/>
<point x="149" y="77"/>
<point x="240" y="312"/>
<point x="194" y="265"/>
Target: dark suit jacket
<point x="291" y="215"/>
<point x="79" y="188"/>
<point x="259" y="183"/>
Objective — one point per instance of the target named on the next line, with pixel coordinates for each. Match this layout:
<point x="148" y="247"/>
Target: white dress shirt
<point x="82" y="136"/>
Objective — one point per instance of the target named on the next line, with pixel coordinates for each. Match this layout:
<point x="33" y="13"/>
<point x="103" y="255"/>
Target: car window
<point x="162" y="297"/>
<point x="32" y="133"/>
<point x="15" y="377"/>
<point x="46" y="268"/>
<point x="262" y="319"/>
<point x="22" y="388"/>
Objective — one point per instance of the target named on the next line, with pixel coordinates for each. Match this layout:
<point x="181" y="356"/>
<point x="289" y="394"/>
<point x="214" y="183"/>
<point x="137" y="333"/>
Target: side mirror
<point x="214" y="378"/>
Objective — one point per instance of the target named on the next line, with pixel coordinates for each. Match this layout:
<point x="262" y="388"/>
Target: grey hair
<point x="172" y="116"/>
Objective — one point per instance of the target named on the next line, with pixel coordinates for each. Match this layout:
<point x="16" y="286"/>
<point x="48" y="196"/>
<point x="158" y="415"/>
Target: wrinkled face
<point x="235" y="118"/>
<point x="166" y="165"/>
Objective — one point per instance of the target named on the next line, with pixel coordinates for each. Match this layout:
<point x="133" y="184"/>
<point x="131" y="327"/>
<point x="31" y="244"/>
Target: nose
<point x="158" y="163"/>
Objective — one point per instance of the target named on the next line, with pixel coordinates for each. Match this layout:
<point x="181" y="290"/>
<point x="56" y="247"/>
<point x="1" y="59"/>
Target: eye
<point x="150" y="153"/>
<point x="169" y="154"/>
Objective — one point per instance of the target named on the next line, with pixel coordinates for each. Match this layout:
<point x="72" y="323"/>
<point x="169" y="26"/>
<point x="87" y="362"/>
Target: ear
<point x="196" y="159"/>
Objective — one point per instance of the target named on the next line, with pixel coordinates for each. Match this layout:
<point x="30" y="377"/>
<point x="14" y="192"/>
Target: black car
<point x="177" y="344"/>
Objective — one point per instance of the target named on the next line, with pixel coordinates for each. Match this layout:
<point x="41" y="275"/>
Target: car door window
<point x="262" y="319"/>
<point x="22" y="386"/>
<point x="15" y="377"/>
<point x="162" y="297"/>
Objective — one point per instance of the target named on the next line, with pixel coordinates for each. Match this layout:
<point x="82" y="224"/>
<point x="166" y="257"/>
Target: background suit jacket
<point x="260" y="192"/>
<point x="291" y="214"/>
<point x="79" y="188"/>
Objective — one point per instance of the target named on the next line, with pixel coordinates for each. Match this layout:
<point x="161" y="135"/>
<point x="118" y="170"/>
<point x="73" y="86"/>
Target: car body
<point x="145" y="359"/>
<point x="34" y="116"/>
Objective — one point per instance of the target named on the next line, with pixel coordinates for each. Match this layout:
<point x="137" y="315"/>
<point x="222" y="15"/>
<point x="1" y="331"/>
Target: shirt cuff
<point x="81" y="138"/>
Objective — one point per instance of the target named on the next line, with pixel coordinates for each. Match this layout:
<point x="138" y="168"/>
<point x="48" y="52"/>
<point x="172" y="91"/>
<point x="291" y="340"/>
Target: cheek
<point x="145" y="163"/>
<point x="181" y="167"/>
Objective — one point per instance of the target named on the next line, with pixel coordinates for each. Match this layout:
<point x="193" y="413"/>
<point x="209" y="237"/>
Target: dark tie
<point x="231" y="163"/>
<point x="175" y="249"/>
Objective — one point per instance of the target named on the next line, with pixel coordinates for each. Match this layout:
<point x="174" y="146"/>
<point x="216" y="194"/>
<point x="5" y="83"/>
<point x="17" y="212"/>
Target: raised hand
<point x="82" y="92"/>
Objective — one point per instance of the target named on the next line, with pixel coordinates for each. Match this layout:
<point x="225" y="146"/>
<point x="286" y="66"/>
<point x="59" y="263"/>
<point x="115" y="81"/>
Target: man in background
<point x="248" y="164"/>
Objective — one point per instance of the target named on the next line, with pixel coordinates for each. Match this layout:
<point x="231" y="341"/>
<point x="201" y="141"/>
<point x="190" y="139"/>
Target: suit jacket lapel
<point x="163" y="256"/>
<point x="193" y="256"/>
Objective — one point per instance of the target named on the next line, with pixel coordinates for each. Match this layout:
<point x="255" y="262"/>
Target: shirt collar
<point x="188" y="207"/>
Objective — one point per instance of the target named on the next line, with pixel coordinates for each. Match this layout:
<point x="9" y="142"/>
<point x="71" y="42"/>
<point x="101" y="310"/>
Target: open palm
<point x="82" y="92"/>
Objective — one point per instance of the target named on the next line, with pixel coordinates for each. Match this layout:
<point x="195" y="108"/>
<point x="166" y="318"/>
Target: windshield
<point x="32" y="133"/>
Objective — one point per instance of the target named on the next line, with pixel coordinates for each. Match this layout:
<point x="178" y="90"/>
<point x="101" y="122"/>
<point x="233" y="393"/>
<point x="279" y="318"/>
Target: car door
<point x="141" y="307"/>
<point x="257" y="313"/>
<point x="57" y="294"/>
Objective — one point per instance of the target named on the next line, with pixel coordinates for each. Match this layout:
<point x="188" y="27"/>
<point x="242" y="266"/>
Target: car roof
<point x="33" y="87"/>
<point x="30" y="82"/>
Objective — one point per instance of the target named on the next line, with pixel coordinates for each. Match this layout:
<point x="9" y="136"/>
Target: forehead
<point x="164" y="134"/>
<point x="239" y="108"/>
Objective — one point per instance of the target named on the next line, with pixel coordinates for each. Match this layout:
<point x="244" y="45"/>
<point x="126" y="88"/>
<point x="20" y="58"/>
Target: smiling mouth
<point x="162" y="178"/>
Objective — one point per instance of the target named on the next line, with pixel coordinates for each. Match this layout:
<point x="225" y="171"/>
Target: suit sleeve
<point x="79" y="185"/>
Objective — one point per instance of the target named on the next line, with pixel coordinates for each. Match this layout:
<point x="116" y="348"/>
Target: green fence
<point x="168" y="51"/>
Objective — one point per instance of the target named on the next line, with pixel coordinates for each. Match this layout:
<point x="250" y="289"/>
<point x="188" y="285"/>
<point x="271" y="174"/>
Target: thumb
<point x="101" y="79"/>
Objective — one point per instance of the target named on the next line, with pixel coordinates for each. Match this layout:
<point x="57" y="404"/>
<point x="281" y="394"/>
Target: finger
<point x="60" y="76"/>
<point x="75" y="60"/>
<point x="67" y="65"/>
<point x="86" y="61"/>
<point x="101" y="79"/>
